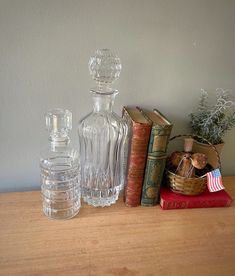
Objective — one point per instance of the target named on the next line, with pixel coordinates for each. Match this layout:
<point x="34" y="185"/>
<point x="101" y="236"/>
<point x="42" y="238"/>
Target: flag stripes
<point x="214" y="181"/>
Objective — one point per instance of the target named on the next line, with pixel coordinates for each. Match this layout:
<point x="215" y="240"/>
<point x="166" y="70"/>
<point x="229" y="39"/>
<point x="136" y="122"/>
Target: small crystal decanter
<point x="102" y="136"/>
<point x="60" y="174"/>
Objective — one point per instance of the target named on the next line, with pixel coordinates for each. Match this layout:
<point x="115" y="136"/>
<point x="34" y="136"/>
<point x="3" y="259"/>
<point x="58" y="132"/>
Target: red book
<point x="170" y="200"/>
<point x="139" y="132"/>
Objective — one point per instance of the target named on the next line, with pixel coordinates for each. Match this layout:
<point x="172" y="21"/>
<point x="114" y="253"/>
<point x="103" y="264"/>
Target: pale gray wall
<point x="169" y="50"/>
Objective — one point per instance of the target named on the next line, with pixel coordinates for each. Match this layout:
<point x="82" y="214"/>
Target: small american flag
<point x="214" y="181"/>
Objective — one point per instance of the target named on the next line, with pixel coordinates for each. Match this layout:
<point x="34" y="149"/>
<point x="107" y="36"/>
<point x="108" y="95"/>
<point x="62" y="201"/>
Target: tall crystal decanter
<point x="60" y="173"/>
<point x="102" y="136"/>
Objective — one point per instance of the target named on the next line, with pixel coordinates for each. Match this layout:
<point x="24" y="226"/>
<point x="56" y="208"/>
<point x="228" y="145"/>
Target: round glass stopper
<point x="105" y="67"/>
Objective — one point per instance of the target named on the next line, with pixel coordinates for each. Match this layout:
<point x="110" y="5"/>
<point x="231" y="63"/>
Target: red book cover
<point x="170" y="200"/>
<point x="139" y="132"/>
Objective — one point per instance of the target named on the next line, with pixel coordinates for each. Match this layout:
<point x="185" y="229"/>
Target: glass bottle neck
<point x="103" y="101"/>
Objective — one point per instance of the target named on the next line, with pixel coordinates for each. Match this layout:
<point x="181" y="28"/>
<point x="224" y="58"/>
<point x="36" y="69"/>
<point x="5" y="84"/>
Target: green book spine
<point x="156" y="158"/>
<point x="159" y="140"/>
<point x="152" y="180"/>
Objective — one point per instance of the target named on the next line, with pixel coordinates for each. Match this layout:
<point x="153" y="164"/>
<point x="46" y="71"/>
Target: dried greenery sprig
<point x="212" y="121"/>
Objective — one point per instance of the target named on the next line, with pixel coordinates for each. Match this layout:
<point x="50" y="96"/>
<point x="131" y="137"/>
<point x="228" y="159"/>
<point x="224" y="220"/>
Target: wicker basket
<point x="188" y="186"/>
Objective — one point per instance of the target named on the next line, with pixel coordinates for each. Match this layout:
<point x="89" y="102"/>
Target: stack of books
<point x="149" y="133"/>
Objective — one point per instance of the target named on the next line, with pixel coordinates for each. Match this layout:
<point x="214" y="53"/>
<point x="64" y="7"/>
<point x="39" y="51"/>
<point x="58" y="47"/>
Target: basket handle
<point x="203" y="139"/>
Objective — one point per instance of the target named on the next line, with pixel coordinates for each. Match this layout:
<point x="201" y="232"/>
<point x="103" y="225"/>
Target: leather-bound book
<point x="139" y="131"/>
<point x="156" y="158"/>
<point x="170" y="200"/>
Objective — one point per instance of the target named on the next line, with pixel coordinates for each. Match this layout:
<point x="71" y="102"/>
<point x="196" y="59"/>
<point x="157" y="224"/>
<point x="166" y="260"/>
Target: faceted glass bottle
<point x="102" y="136"/>
<point x="60" y="173"/>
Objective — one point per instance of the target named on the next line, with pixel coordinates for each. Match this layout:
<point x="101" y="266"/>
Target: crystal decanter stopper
<point x="60" y="174"/>
<point x="102" y="136"/>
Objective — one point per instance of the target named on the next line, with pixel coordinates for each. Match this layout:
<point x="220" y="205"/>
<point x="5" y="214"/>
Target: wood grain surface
<point x="116" y="240"/>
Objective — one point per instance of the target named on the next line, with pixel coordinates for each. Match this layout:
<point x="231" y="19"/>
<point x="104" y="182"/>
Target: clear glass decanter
<point x="102" y="136"/>
<point x="60" y="173"/>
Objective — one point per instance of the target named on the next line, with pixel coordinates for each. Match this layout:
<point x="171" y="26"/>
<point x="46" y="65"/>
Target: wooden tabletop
<point x="116" y="240"/>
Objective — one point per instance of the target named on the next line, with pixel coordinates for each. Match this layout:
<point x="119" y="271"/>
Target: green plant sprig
<point x="213" y="121"/>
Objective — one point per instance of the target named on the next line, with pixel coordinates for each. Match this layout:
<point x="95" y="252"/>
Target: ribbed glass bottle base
<point x="61" y="213"/>
<point x="61" y="194"/>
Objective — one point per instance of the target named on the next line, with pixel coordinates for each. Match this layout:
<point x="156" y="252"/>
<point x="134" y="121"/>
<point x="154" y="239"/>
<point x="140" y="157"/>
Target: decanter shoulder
<point x="50" y="157"/>
<point x="101" y="120"/>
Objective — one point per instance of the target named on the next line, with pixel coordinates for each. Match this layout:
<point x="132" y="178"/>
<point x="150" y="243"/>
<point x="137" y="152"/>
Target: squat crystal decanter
<point x="60" y="173"/>
<point x="102" y="136"/>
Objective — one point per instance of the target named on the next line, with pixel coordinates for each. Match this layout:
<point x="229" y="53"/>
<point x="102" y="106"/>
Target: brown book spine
<point x="139" y="137"/>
